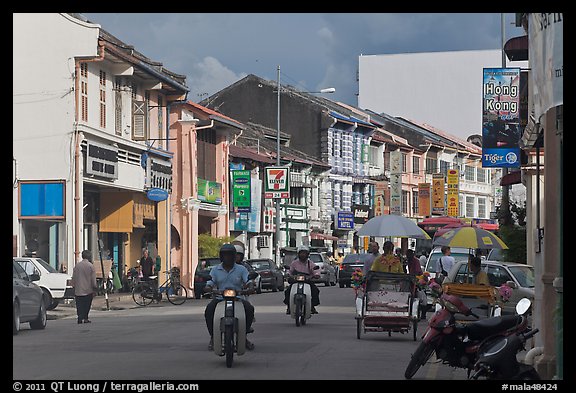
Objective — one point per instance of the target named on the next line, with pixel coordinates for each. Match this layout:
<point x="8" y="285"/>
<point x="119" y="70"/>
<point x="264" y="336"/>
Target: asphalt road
<point x="163" y="341"/>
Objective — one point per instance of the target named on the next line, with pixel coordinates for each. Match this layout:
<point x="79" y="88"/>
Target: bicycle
<point x="145" y="292"/>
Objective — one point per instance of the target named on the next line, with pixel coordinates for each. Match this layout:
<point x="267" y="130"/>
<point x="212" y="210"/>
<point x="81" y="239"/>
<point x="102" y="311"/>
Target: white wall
<point x="44" y="47"/>
<point x="443" y="89"/>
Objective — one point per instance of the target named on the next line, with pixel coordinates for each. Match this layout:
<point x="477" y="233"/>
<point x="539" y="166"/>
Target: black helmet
<point x="227" y="249"/>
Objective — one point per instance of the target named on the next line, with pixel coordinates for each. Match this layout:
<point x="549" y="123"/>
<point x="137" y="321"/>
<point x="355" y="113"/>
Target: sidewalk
<point x="116" y="301"/>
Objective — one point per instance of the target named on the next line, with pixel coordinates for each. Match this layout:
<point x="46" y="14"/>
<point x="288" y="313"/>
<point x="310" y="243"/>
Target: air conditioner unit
<point x="263" y="242"/>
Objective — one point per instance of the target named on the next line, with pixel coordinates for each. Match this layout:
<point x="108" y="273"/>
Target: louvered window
<point x="138" y="120"/>
<point x="118" y="107"/>
<point x="84" y="91"/>
<point x="102" y="99"/>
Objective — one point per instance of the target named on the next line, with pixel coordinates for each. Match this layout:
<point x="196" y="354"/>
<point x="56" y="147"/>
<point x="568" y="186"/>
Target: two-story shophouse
<point x="91" y="159"/>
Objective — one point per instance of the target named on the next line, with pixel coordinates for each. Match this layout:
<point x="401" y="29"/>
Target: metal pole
<point x="505" y="189"/>
<point x="277" y="201"/>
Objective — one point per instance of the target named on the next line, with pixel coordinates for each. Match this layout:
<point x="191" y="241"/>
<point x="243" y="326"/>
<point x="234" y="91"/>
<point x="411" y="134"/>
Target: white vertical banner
<point x="396" y="182"/>
<point x="545" y="51"/>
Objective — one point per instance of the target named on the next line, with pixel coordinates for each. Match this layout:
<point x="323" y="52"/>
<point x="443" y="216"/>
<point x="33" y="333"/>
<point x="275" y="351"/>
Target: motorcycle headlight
<point x="229" y="293"/>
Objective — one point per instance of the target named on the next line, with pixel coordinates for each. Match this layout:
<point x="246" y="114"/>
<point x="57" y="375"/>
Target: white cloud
<point x="326" y="35"/>
<point x="210" y="76"/>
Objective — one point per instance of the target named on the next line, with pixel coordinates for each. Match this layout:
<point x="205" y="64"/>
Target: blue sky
<point x="313" y="50"/>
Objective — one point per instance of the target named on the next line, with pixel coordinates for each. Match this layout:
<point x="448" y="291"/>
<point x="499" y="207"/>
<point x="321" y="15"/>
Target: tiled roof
<point x="212" y="112"/>
<point x="460" y="141"/>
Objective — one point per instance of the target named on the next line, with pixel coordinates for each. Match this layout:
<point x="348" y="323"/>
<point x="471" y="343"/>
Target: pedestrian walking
<point x="84" y="283"/>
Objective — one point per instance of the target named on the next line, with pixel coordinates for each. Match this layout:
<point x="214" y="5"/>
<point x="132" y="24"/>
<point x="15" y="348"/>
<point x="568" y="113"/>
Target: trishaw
<point x="387" y="303"/>
<point x="482" y="299"/>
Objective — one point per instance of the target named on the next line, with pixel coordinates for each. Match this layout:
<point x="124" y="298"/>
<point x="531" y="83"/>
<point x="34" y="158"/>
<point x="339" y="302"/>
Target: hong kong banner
<point x="501" y="129"/>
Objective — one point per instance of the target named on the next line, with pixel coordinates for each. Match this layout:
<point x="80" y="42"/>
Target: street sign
<point x="241" y="197"/>
<point x="277" y="183"/>
<point x="344" y="220"/>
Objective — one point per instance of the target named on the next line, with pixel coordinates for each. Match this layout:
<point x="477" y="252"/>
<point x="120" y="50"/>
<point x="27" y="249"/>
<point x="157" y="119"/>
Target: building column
<point x="546" y="364"/>
<point x="193" y="240"/>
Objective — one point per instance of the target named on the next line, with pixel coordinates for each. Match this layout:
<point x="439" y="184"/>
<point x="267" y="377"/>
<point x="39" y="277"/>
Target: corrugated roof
<point x="244" y="152"/>
<point x="460" y="141"/>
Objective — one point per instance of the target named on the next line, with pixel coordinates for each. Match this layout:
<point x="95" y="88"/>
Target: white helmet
<point x="239" y="249"/>
<point x="303" y="248"/>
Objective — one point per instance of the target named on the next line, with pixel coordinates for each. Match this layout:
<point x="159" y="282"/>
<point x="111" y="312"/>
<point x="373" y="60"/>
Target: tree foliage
<point x="515" y="238"/>
<point x="209" y="246"/>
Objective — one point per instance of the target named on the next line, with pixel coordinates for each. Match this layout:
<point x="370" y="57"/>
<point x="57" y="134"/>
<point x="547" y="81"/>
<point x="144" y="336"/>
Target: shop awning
<point x="321" y="236"/>
<point x="116" y="212"/>
<point x="511" y="178"/>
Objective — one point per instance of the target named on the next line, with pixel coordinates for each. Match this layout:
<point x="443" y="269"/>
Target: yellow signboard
<point x="424" y="200"/>
<point x="453" y="180"/>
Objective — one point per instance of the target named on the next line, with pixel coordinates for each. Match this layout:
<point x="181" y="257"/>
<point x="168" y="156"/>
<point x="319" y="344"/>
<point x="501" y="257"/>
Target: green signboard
<point x="241" y="191"/>
<point x="209" y="191"/>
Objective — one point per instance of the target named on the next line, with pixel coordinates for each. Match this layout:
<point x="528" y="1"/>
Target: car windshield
<point x="316" y="258"/>
<point x="207" y="264"/>
<point x="46" y="265"/>
<point x="433" y="262"/>
<point x="356" y="259"/>
<point x="524" y="275"/>
<point x="260" y="265"/>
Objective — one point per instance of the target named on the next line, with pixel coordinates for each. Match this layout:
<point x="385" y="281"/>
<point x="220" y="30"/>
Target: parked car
<point x="56" y="286"/>
<point x="350" y="262"/>
<point x="459" y="254"/>
<point x="202" y="274"/>
<point x="270" y="277"/>
<point x="517" y="276"/>
<point x="28" y="303"/>
<point x="327" y="271"/>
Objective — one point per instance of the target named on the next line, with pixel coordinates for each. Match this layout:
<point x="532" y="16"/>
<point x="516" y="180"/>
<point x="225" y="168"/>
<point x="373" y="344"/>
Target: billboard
<point x="424" y="200"/>
<point x="362" y="213"/>
<point x="209" y="191"/>
<point x="438" y="194"/>
<point x="344" y="220"/>
<point x="452" y="181"/>
<point x="501" y="130"/>
<point x="396" y="182"/>
<point x="241" y="191"/>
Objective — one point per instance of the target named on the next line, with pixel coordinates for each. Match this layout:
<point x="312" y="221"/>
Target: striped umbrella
<point x="470" y="237"/>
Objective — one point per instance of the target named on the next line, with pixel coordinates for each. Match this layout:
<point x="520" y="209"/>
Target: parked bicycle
<point x="145" y="292"/>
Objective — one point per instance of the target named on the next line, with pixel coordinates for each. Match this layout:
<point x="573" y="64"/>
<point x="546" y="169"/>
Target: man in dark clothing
<point x="147" y="265"/>
<point x="84" y="283"/>
<point x="413" y="263"/>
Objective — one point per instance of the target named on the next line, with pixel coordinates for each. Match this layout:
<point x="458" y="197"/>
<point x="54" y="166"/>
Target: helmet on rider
<point x="303" y="252"/>
<point x="239" y="252"/>
<point x="227" y="249"/>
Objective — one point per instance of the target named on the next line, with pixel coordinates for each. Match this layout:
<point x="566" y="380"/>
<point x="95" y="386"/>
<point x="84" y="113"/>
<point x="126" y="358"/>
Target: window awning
<point x="511" y="178"/>
<point x="322" y="236"/>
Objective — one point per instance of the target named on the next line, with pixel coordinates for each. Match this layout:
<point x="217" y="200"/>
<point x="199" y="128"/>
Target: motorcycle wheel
<point x="298" y="312"/>
<point x="419" y="358"/>
<point x="229" y="345"/>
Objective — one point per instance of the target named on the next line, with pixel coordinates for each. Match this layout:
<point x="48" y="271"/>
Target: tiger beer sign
<point x="277" y="182"/>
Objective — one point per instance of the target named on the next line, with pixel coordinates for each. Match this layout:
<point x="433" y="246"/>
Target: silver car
<point x="28" y="303"/>
<point x="327" y="271"/>
<point x="517" y="276"/>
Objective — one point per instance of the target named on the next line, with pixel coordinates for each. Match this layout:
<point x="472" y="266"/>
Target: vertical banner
<point x="452" y="181"/>
<point x="396" y="182"/>
<point x="546" y="54"/>
<point x="438" y="194"/>
<point x="379" y="201"/>
<point x="241" y="197"/>
<point x="424" y="200"/>
<point x="255" y="215"/>
<point x="501" y="131"/>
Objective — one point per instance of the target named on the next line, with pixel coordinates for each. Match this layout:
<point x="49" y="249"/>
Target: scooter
<point x="458" y="344"/>
<point x="230" y="324"/>
<point x="497" y="358"/>
<point x="301" y="298"/>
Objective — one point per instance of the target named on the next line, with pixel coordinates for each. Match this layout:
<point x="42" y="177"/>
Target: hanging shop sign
<point x="277" y="183"/>
<point x="345" y="220"/>
<point x="424" y="199"/>
<point x="438" y="200"/>
<point x="362" y="213"/>
<point x="157" y="194"/>
<point x="396" y="182"/>
<point x="209" y="191"/>
<point x="452" y="181"/>
<point x="158" y="174"/>
<point x="501" y="131"/>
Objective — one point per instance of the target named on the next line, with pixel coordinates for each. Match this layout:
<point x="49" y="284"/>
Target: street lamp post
<point x="277" y="201"/>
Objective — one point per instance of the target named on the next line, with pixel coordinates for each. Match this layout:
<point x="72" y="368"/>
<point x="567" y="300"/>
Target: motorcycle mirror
<point x="523" y="306"/>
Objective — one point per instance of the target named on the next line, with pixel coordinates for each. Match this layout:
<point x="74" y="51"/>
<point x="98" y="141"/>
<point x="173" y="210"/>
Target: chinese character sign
<point x="501" y="130"/>
<point x="424" y="200"/>
<point x="438" y="194"/>
<point x="396" y="182"/>
<point x="452" y="181"/>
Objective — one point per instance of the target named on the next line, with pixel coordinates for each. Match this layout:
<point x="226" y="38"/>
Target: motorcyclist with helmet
<point x="228" y="275"/>
<point x="302" y="264"/>
<point x="240" y="260"/>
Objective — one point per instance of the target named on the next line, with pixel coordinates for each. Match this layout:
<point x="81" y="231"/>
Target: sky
<point x="314" y="51"/>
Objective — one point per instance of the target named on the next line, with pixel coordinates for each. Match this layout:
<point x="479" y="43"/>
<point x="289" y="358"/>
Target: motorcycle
<point x="497" y="358"/>
<point x="230" y="324"/>
<point x="458" y="344"/>
<point x="301" y="298"/>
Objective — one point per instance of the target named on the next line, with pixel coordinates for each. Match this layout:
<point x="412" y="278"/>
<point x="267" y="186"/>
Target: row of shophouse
<point x="107" y="147"/>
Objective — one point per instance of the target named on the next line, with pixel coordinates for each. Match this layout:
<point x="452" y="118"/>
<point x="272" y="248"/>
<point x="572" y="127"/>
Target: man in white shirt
<point x="445" y="262"/>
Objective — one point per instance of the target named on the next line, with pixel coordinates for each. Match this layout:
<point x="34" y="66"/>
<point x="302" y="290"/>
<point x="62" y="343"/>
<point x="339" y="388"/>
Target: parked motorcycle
<point x="497" y="357"/>
<point x="458" y="344"/>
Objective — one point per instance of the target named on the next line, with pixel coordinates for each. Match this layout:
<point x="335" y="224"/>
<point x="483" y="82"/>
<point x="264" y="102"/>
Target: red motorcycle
<point x="457" y="344"/>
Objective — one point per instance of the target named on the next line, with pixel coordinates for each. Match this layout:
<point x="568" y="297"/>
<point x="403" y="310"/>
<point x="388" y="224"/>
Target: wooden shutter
<point x="138" y="120"/>
<point x="118" y="113"/>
